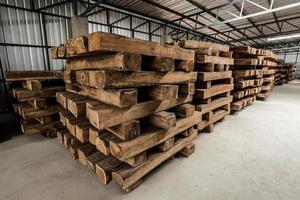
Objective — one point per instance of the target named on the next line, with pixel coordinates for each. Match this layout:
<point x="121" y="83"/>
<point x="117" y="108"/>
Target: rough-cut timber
<point x="110" y="79"/>
<point x="104" y="42"/>
<point x="113" y="61"/>
<point x="127" y="176"/>
<point x="121" y="98"/>
<point x="32" y="75"/>
<point x="193" y="44"/>
<point x="26" y="95"/>
<point x="214" y="90"/>
<point x="152" y="137"/>
<point x="103" y="116"/>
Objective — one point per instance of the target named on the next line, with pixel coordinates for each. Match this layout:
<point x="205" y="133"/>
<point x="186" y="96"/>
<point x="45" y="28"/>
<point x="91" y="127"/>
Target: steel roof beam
<point x="90" y="8"/>
<point x="268" y="11"/>
<point x="268" y="23"/>
<point x="249" y="20"/>
<point x="200" y="6"/>
<point x="53" y="5"/>
<point x="213" y="8"/>
<point x="160" y="21"/>
<point x="177" y="13"/>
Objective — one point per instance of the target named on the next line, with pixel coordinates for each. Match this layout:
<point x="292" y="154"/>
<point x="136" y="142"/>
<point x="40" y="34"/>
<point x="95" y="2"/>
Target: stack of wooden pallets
<point x="34" y="100"/>
<point x="127" y="106"/>
<point x="247" y="73"/>
<point x="279" y="74"/>
<point x="269" y="60"/>
<point x="214" y="81"/>
<point x="291" y="72"/>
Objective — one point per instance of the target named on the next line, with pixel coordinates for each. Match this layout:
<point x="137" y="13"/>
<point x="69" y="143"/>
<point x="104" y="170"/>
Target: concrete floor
<point x="254" y="154"/>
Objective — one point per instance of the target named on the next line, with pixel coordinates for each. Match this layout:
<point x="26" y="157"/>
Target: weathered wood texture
<point x="32" y="75"/>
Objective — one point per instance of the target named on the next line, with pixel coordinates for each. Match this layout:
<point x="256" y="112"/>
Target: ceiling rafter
<point x="178" y="14"/>
<point x="200" y="6"/>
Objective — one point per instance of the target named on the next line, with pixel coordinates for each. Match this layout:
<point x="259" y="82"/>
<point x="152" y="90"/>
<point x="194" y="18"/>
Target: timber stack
<point x="279" y="74"/>
<point x="127" y="105"/>
<point x="247" y="73"/>
<point x="34" y="100"/>
<point x="214" y="81"/>
<point x="268" y="59"/>
<point x="291" y="70"/>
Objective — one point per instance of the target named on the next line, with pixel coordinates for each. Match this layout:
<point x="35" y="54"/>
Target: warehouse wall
<point x="26" y="36"/>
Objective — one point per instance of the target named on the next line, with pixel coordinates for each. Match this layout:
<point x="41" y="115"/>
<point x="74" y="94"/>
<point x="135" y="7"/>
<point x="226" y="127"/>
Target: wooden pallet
<point x="34" y="95"/>
<point x="127" y="146"/>
<point x="249" y="72"/>
<point x="214" y="81"/>
<point x="127" y="105"/>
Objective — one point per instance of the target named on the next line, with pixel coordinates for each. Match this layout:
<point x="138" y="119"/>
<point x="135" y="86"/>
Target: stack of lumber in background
<point x="34" y="100"/>
<point x="247" y="73"/>
<point x="126" y="108"/>
<point x="291" y="72"/>
<point x="214" y="82"/>
<point x="269" y="60"/>
<point x="279" y="74"/>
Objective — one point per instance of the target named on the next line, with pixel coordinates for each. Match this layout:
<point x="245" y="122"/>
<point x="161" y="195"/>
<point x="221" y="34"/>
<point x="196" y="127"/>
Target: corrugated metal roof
<point x="186" y="8"/>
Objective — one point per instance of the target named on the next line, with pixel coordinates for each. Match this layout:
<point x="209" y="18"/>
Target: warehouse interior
<point x="246" y="148"/>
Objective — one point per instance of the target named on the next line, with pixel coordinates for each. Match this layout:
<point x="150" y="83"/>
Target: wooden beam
<point x="151" y="137"/>
<point x="32" y="75"/>
<point x="115" y="79"/>
<point x="103" y="116"/>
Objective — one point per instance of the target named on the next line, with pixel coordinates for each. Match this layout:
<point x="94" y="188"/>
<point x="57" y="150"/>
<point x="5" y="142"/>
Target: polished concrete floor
<point x="254" y="154"/>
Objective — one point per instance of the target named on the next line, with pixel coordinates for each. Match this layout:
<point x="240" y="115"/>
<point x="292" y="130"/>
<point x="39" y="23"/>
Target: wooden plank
<point x="137" y="159"/>
<point x="32" y="75"/>
<point x="162" y="119"/>
<point x="94" y="158"/>
<point x="103" y="116"/>
<point x="37" y="128"/>
<point x="204" y="108"/>
<point x="77" y="45"/>
<point x="217" y="115"/>
<point x="32" y="85"/>
<point x="151" y="137"/>
<point x="28" y="113"/>
<point x="102" y="142"/>
<point x="54" y="51"/>
<point x="121" y="98"/>
<point x="82" y="130"/>
<point x="110" y="79"/>
<point x="126" y="131"/>
<point x="60" y="135"/>
<point x="103" y="42"/>
<point x="44" y="119"/>
<point x="193" y="44"/>
<point x="128" y="176"/>
<point x="157" y="63"/>
<point x="115" y="61"/>
<point x="245" y="61"/>
<point x="185" y="110"/>
<point x="186" y="89"/>
<point x="162" y="92"/>
<point x="105" y="167"/>
<point x="84" y="151"/>
<point x="26" y="95"/>
<point x="210" y="76"/>
<point x="61" y="51"/>
<point x="214" y="90"/>
<point x="166" y="145"/>
<point x="204" y="59"/>
<point x="188" y="150"/>
<point x="38" y="103"/>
